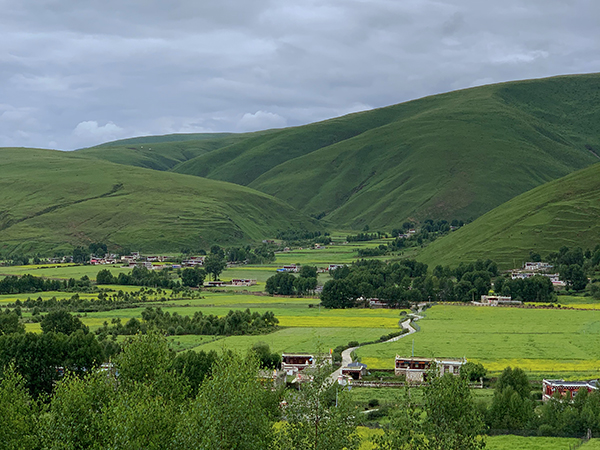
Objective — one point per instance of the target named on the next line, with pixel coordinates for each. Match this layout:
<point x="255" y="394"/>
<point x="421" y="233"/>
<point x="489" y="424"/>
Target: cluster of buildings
<point x="234" y="282"/>
<point x="531" y="269"/>
<point x="496" y="300"/>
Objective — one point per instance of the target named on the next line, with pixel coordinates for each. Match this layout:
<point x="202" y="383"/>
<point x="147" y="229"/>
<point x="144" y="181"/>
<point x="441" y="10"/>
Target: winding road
<point x="347" y="354"/>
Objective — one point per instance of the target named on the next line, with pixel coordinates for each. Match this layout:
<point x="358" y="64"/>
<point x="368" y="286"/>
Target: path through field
<point x="347" y="354"/>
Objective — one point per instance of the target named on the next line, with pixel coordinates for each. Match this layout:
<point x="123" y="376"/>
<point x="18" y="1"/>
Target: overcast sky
<point x="76" y="73"/>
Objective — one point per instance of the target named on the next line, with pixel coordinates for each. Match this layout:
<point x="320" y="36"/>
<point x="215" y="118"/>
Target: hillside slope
<point x="453" y="156"/>
<point x="562" y="212"/>
<point x="50" y="199"/>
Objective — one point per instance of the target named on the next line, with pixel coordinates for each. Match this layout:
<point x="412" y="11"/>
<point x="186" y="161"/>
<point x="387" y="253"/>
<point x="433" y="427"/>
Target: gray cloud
<point x="77" y="73"/>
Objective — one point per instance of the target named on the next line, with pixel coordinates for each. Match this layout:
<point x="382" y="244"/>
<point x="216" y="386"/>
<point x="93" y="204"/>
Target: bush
<point x="373" y="403"/>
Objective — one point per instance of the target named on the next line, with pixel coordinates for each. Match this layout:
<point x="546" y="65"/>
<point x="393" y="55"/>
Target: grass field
<point x="565" y="212"/>
<point x="56" y="200"/>
<point x="500" y="442"/>
<point x="530" y="443"/>
<point x="539" y="341"/>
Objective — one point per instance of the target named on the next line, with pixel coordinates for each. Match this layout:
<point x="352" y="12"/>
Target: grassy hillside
<point x="160" y="152"/>
<point x="455" y="155"/>
<point x="562" y="212"/>
<point x="50" y="198"/>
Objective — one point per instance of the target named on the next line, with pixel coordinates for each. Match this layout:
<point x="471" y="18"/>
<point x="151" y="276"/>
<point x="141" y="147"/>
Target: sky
<point x="76" y="73"/>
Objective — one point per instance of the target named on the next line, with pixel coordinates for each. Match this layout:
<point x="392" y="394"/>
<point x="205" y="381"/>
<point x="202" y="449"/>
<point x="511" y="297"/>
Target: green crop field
<point x="508" y="442"/>
<point x="454" y="155"/>
<point x="56" y="200"/>
<point x="559" y="342"/>
<point x="563" y="212"/>
<point x="530" y="443"/>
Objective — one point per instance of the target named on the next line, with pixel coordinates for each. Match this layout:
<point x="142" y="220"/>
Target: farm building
<point x="242" y="282"/>
<point x="214" y="284"/>
<point x="355" y="370"/>
<point x="293" y="362"/>
<point x="415" y="369"/>
<point x="291" y="268"/>
<point x="566" y="389"/>
<point x="495" y="300"/>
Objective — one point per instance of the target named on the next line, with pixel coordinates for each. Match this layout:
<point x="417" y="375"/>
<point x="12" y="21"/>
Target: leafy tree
<point x="194" y="367"/>
<point x="193" y="277"/>
<point x="214" y="264"/>
<point x="105" y="277"/>
<point x="62" y="322"/>
<point x="511" y="406"/>
<point x="282" y="283"/>
<point x="266" y="359"/>
<point x="232" y="409"/>
<point x="9" y="323"/>
<point x="453" y="421"/>
<point x="80" y="255"/>
<point x="18" y="427"/>
<point x="473" y="371"/>
<point x="338" y="294"/>
<point x="319" y="416"/>
<point x="308" y="272"/>
<point x="305" y="285"/>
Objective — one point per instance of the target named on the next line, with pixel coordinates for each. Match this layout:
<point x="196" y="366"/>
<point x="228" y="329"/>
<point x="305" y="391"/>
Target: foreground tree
<point x="319" y="416"/>
<point x="448" y="419"/>
<point x="18" y="413"/>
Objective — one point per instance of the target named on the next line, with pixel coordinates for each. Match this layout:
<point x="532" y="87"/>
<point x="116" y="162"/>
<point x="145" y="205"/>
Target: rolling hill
<point x="563" y="212"/>
<point x="453" y="156"/>
<point x="51" y="200"/>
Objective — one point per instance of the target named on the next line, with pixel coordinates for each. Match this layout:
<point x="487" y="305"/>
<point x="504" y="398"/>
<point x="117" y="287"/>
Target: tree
<point x="232" y="409"/>
<point x="453" y="421"/>
<point x="319" y="416"/>
<point x="308" y="272"/>
<point x="9" y="323"/>
<point x="511" y="406"/>
<point x="193" y="277"/>
<point x="80" y="255"/>
<point x="338" y="294"/>
<point x="266" y="359"/>
<point x="473" y="371"/>
<point x="214" y="264"/>
<point x="62" y="322"/>
<point x="105" y="277"/>
<point x="281" y="283"/>
<point x="18" y="427"/>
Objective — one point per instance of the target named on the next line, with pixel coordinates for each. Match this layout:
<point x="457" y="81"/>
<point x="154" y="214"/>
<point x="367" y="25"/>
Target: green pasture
<point x="592" y="444"/>
<point x="63" y="272"/>
<point x="559" y="342"/>
<point x="510" y="442"/>
<point x="298" y="339"/>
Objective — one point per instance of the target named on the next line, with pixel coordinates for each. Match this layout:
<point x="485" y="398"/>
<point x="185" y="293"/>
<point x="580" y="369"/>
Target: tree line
<point x="236" y="322"/>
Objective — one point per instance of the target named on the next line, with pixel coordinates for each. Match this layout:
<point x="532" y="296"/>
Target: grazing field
<point x="564" y="212"/>
<point x="298" y="339"/>
<point x="540" y="341"/>
<point x="530" y="443"/>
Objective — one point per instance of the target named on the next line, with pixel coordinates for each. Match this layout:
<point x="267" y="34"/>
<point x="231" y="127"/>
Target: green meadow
<point x="542" y="342"/>
<point x="564" y="212"/>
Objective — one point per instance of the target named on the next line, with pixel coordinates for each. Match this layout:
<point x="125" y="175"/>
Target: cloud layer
<point x="78" y="73"/>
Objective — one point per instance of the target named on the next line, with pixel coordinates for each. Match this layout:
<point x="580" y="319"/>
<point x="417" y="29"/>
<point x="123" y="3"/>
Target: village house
<point x="415" y="369"/>
<point x="291" y="268"/>
<point x="292" y="363"/>
<point x="242" y="282"/>
<point x="355" y="370"/>
<point x="497" y="300"/>
<point x="566" y="389"/>
<point x="537" y="266"/>
<point x="215" y="284"/>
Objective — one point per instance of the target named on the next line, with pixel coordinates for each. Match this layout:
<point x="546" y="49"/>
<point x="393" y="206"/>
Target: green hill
<point x="50" y="199"/>
<point x="562" y="212"/>
<point x="453" y="156"/>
